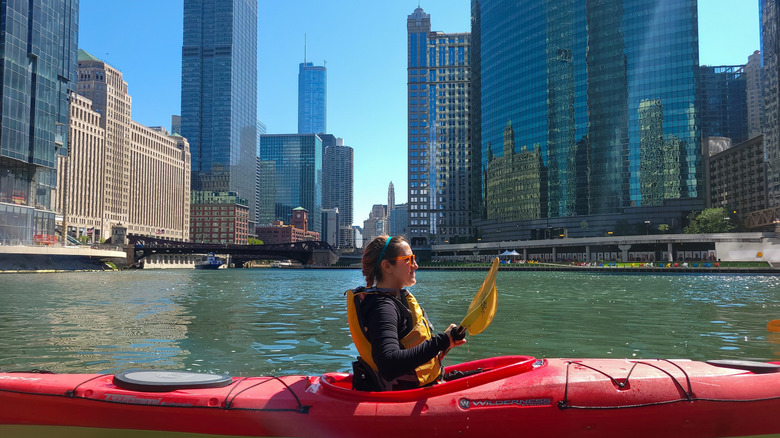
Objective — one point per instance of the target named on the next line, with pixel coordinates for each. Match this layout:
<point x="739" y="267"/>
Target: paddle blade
<point x="773" y="326"/>
<point x="478" y="320"/>
<point x="483" y="307"/>
<point x="485" y="289"/>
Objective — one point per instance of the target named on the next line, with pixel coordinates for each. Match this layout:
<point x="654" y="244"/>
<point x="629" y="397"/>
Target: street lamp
<point x="647" y="227"/>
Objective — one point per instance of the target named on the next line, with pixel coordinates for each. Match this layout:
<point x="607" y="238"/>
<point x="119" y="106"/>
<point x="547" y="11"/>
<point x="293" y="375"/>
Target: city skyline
<point x="355" y="66"/>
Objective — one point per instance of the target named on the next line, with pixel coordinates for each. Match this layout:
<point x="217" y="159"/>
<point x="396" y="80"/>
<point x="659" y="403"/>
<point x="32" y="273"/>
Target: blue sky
<point x="364" y="46"/>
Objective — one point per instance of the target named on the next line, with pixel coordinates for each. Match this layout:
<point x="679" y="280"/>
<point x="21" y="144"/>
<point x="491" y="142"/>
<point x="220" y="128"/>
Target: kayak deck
<point x="557" y="397"/>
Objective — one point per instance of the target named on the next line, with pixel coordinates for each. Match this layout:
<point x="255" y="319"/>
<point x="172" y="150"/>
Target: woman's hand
<point x="449" y="332"/>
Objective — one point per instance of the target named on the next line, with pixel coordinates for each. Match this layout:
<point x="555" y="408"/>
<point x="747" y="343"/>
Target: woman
<point x="397" y="346"/>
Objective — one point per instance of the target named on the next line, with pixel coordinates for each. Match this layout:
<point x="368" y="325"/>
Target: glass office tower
<point x="770" y="49"/>
<point x="724" y="102"/>
<point x="38" y="48"/>
<point x="219" y="95"/>
<point x="439" y="144"/>
<point x="293" y="164"/>
<point x="312" y="99"/>
<point x="338" y="184"/>
<point x="585" y="108"/>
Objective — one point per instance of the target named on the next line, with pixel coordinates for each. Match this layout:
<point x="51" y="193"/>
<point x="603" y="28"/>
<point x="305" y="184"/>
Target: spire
<point x="304" y="49"/>
<point x="390" y="197"/>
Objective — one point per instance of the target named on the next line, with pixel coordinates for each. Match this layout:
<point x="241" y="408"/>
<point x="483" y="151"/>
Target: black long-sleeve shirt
<point x="387" y="325"/>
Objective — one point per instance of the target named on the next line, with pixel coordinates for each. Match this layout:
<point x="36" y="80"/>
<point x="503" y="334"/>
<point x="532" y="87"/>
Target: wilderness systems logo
<point x="131" y="399"/>
<point x="465" y="403"/>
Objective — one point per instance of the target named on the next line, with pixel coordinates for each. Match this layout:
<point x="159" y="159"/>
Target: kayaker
<point x="396" y="342"/>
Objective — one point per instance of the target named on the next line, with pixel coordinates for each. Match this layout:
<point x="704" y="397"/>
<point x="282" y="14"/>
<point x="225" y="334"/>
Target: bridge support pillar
<point x="624" y="249"/>
<point x="322" y="257"/>
<point x="130" y="255"/>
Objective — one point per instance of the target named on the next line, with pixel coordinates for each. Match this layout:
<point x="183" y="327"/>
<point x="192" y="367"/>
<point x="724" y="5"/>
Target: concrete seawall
<point x="59" y="258"/>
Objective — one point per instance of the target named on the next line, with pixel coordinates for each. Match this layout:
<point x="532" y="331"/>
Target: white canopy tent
<point x="509" y="254"/>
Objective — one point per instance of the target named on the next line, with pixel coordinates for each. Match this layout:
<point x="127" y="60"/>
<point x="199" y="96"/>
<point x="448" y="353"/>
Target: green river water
<point x="288" y="321"/>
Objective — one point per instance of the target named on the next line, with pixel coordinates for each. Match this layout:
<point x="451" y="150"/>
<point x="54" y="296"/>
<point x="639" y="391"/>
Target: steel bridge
<point x="303" y="252"/>
<point x="764" y="218"/>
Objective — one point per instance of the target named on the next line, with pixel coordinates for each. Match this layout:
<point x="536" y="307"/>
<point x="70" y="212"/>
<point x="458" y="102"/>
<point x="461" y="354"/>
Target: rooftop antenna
<point x="304" y="49"/>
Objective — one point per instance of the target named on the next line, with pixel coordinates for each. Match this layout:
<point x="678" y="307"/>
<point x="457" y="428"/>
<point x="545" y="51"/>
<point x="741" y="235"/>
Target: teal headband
<point x="382" y="254"/>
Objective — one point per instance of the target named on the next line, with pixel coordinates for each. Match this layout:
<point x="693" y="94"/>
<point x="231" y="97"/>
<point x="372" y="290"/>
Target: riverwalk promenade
<point x="39" y="258"/>
<point x="663" y="268"/>
<point x="668" y="248"/>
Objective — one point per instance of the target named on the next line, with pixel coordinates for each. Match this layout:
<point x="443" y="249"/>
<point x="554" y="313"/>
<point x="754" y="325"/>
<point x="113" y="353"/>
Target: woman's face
<point x="401" y="270"/>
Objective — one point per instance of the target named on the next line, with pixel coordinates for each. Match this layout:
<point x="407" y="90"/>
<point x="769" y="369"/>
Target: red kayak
<point x="508" y="396"/>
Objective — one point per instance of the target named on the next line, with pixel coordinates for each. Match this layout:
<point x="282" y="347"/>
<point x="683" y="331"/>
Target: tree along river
<point x="285" y="321"/>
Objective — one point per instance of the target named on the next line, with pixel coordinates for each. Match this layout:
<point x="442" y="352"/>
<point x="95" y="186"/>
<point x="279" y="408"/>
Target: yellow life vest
<point x="421" y="331"/>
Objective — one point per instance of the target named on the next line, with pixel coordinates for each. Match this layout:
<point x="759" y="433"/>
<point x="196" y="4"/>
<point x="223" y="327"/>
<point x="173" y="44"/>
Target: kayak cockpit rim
<point x="339" y="385"/>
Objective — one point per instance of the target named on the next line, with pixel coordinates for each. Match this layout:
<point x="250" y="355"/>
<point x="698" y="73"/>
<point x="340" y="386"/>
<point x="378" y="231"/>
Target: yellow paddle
<point x="773" y="326"/>
<point x="482" y="308"/>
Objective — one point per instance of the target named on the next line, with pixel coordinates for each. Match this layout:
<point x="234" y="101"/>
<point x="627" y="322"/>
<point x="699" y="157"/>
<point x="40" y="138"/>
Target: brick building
<point x="298" y="231"/>
<point x="219" y="217"/>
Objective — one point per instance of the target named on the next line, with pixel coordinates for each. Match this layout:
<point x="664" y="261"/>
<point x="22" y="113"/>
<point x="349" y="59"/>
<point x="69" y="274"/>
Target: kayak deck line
<point x="124" y="399"/>
<point x="564" y="404"/>
<point x="624" y="383"/>
<point x="301" y="407"/>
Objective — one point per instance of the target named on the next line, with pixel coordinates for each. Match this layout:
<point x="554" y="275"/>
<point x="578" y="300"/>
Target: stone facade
<point x="118" y="171"/>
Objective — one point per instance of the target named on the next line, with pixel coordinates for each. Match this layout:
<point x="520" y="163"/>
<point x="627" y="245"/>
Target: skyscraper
<point x="338" y="183"/>
<point x="37" y="73"/>
<point x="390" y="196"/>
<point x="723" y="100"/>
<point x="296" y="161"/>
<point x="770" y="42"/>
<point x="584" y="87"/>
<point x="439" y="144"/>
<point x="399" y="220"/>
<point x="105" y="87"/>
<point x="219" y="95"/>
<point x="312" y="98"/>
<point x="755" y="94"/>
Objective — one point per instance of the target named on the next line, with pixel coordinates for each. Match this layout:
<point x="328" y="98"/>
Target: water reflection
<point x="250" y="322"/>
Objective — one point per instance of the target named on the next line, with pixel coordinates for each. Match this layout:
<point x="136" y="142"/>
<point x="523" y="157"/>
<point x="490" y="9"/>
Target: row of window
<point x="439" y="70"/>
<point x="208" y="207"/>
<point x="199" y="229"/>
<point x="198" y="236"/>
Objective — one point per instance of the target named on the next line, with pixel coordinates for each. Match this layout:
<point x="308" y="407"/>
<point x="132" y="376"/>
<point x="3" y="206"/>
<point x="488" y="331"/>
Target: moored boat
<point x="511" y="396"/>
<point x="210" y="261"/>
